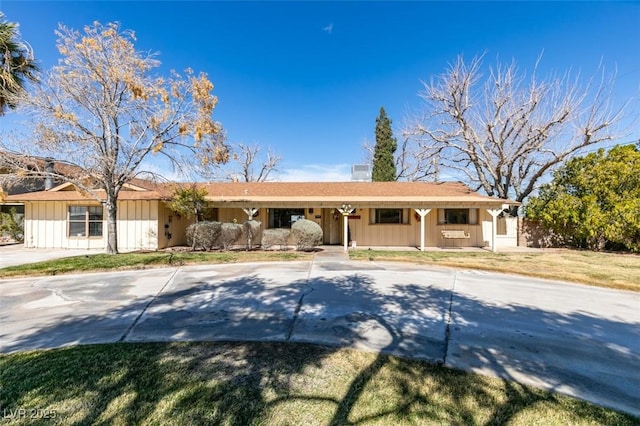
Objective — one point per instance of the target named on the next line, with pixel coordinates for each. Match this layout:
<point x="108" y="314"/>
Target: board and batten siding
<point x="365" y="233"/>
<point x="172" y="228"/>
<point x="45" y="225"/>
<point x="477" y="237"/>
<point x="228" y="215"/>
<point x="138" y="226"/>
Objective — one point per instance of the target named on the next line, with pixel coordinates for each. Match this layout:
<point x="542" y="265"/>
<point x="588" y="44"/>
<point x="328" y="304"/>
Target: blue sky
<point x="308" y="78"/>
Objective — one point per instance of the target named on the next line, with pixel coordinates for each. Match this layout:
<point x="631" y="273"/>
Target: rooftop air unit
<point x="361" y="173"/>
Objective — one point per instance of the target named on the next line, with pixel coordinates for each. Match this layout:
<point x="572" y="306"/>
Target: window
<point x="389" y="215"/>
<point x="209" y="214"/>
<point x="85" y="221"/>
<point x="458" y="216"/>
<point x="284" y="218"/>
<point x="6" y="208"/>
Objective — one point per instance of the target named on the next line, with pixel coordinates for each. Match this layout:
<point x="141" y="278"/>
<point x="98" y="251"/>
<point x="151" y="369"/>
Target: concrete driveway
<point x="578" y="340"/>
<point x="18" y="254"/>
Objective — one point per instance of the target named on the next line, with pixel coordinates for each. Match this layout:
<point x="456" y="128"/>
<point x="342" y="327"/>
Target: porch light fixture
<point x="346" y="209"/>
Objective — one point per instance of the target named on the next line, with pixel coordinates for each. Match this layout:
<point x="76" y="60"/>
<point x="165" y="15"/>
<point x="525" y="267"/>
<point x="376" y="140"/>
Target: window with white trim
<point x="85" y="221"/>
<point x="397" y="216"/>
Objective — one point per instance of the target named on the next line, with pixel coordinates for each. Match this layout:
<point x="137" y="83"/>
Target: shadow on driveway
<point x="410" y="320"/>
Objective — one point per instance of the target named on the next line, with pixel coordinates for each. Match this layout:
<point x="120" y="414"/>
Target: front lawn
<point x="612" y="270"/>
<point x="619" y="271"/>
<point x="142" y="260"/>
<point x="267" y="384"/>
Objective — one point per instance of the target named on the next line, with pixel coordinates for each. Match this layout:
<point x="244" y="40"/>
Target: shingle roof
<point x="340" y="189"/>
<point x="335" y="193"/>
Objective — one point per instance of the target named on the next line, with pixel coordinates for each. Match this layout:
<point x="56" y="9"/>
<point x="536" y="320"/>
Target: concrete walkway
<point x="578" y="340"/>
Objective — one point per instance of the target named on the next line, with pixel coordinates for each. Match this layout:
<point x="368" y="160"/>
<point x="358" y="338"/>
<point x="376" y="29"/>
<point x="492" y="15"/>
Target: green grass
<point x="268" y="383"/>
<point x="620" y="271"/>
<point x="107" y="262"/>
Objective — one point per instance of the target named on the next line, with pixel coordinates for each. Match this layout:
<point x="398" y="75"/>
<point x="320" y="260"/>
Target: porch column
<point x="494" y="225"/>
<point x="346" y="210"/>
<point x="250" y="212"/>
<point x="422" y="213"/>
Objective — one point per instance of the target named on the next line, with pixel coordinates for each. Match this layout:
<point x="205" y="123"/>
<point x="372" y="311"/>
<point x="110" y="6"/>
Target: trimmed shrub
<point x="230" y="233"/>
<point x="12" y="224"/>
<point x="307" y="234"/>
<point x="275" y="237"/>
<point x="204" y="235"/>
<point x="251" y="233"/>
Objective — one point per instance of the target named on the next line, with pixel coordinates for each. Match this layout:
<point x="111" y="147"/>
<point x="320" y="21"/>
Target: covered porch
<point x="375" y="225"/>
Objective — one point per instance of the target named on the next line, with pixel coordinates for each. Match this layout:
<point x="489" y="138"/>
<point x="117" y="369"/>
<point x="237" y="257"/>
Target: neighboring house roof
<point x="35" y="163"/>
<point x="80" y="196"/>
<point x="38" y="178"/>
<point x="40" y="167"/>
<point x="294" y="194"/>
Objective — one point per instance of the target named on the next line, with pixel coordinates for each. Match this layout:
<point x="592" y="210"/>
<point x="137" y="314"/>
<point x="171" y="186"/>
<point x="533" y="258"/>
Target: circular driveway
<point x="18" y="254"/>
<point x="578" y="340"/>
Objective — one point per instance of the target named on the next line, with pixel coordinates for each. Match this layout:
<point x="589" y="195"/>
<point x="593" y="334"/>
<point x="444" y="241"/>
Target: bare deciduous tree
<point x="102" y="111"/>
<point x="247" y="163"/>
<point x="414" y="160"/>
<point x="506" y="130"/>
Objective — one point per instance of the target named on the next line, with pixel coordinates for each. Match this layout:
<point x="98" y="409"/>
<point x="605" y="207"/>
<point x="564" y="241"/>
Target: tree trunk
<point x="249" y="237"/>
<point x="112" y="229"/>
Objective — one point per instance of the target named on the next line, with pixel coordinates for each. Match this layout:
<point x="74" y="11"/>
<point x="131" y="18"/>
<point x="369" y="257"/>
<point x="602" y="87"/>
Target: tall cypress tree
<point x="384" y="166"/>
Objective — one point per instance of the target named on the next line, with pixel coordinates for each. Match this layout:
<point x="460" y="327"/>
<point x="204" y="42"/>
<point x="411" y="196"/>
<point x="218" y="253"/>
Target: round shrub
<point x="230" y="233"/>
<point x="307" y="234"/>
<point x="275" y="237"/>
<point x="203" y="235"/>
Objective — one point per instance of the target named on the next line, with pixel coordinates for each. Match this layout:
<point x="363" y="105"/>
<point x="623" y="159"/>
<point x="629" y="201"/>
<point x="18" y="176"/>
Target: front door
<point x="331" y="221"/>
